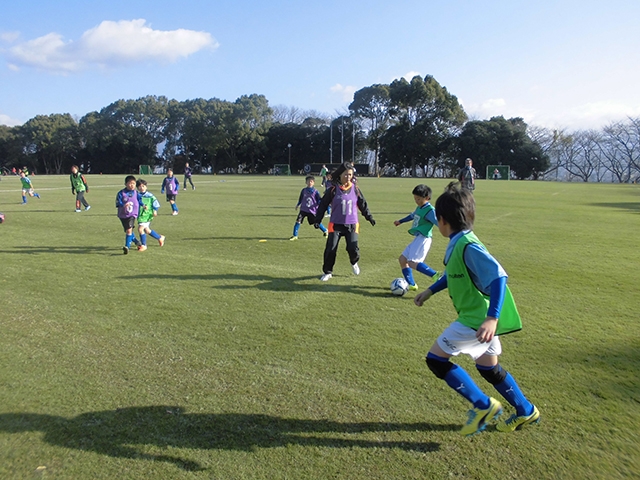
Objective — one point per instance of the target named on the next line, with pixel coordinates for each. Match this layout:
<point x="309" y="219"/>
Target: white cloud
<point x="409" y="75"/>
<point x="8" y="121"/>
<point x="345" y="91"/>
<point x="109" y="44"/>
<point x="9" y="37"/>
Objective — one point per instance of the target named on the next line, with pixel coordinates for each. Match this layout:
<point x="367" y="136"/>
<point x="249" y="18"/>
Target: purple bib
<point x="344" y="207"/>
<point x="131" y="206"/>
<point x="172" y="188"/>
<point x="309" y="202"/>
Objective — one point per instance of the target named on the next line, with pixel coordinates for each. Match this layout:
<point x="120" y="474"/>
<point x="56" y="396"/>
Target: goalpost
<point x="145" y="169"/>
<point x="498" y="172"/>
<point x="281" y="169"/>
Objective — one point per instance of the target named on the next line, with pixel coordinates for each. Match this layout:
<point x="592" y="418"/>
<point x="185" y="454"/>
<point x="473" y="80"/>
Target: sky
<point x="564" y="64"/>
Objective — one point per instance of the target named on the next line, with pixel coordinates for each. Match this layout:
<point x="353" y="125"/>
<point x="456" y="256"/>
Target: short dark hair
<point x="310" y="177"/>
<point x="128" y="178"/>
<point x="457" y="207"/>
<point x="422" y="191"/>
<point x="141" y="182"/>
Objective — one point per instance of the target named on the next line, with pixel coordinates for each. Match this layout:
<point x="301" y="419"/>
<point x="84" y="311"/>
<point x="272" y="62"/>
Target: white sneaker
<point x="87" y="208"/>
<point x="356" y="269"/>
<point x="175" y="212"/>
<point x="78" y="210"/>
<point x="326" y="277"/>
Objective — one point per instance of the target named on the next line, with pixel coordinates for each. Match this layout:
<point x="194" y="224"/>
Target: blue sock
<point x="425" y="269"/>
<point x="37" y="195"/>
<point x="155" y="234"/>
<point x="174" y="207"/>
<point x="458" y="379"/>
<point x="127" y="240"/>
<point x="322" y="228"/>
<point x="408" y="275"/>
<point x="296" y="229"/>
<point x="24" y="199"/>
<point x="134" y="239"/>
<point x="143" y="238"/>
<point x="510" y="390"/>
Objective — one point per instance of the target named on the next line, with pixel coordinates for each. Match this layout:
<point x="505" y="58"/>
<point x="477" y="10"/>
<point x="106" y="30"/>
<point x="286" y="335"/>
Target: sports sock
<point x="155" y="234"/>
<point x="37" y="195"/>
<point x="408" y="275"/>
<point x="425" y="269"/>
<point x="127" y="240"/>
<point x="143" y="238"/>
<point x="322" y="228"/>
<point x="510" y="390"/>
<point x="296" y="229"/>
<point x="458" y="379"/>
<point x="24" y="199"/>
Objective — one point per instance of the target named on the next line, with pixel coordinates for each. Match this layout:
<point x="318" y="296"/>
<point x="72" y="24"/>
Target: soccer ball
<point x="399" y="287"/>
<point x="1" y="217"/>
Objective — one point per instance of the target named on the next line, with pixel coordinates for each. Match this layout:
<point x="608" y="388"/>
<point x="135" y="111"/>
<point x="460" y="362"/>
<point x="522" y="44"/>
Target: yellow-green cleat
<point x="293" y="238"/>
<point x="515" y="422"/>
<point x="478" y="418"/>
<point x="413" y="287"/>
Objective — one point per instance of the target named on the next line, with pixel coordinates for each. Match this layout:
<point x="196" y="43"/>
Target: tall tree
<point x="52" y="141"/>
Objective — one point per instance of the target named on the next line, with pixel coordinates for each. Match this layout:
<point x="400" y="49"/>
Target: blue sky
<point x="558" y="64"/>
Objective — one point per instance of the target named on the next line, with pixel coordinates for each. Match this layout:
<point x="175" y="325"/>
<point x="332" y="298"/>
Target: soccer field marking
<point x="499" y="217"/>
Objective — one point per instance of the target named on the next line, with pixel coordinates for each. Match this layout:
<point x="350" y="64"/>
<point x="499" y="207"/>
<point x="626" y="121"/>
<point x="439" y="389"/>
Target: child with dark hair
<point x="78" y="188"/>
<point x="148" y="209"/>
<point x="128" y="201"/>
<point x="172" y="185"/>
<point x="477" y="285"/>
<point x="308" y="202"/>
<point x="423" y="220"/>
<point x="345" y="199"/>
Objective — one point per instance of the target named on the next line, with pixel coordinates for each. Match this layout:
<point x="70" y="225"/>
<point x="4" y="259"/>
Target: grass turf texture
<point x="218" y="356"/>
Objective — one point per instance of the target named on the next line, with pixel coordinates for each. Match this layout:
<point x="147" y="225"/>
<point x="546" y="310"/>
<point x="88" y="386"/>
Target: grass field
<point x="220" y="356"/>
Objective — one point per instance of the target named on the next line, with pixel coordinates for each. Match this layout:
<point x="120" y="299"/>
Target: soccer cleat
<point x="78" y="210"/>
<point x="325" y="234"/>
<point x="37" y="195"/>
<point x="515" y="422"/>
<point x="479" y="417"/>
<point x="125" y="249"/>
<point x="161" y="240"/>
<point x="175" y="212"/>
<point x="185" y="188"/>
<point x="356" y="269"/>
<point x="193" y="188"/>
<point x="142" y="248"/>
<point x="436" y="276"/>
<point x="413" y="287"/>
<point x="326" y="277"/>
<point x="87" y="208"/>
<point x="293" y="238"/>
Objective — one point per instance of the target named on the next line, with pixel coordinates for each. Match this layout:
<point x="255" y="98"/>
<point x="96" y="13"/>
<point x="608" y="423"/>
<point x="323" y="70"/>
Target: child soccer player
<point x="128" y="201"/>
<point x="148" y="209"/>
<point x="188" y="173"/>
<point x="27" y="188"/>
<point x="172" y="186"/>
<point x="308" y="203"/>
<point x="477" y="285"/>
<point x="345" y="200"/>
<point x="78" y="188"/>
<point x="424" y="218"/>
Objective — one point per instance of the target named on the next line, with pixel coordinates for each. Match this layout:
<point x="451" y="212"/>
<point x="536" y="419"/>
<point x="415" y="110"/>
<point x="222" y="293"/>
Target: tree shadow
<point x="272" y="284"/>
<point x="83" y="250"/>
<point x="128" y="432"/>
<point x="630" y="206"/>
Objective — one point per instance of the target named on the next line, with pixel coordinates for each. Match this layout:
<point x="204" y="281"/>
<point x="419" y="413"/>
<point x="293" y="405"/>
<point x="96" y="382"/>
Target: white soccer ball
<point x="399" y="287"/>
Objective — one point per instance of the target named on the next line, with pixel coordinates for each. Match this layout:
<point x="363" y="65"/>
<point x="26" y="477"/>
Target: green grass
<point x="219" y="356"/>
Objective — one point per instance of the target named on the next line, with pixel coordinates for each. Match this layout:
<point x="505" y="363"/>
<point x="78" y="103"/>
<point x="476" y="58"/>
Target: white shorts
<point x="417" y="250"/>
<point x="457" y="339"/>
<point x="144" y="224"/>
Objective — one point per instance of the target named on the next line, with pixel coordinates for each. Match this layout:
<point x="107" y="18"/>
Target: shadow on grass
<point x="630" y="206"/>
<point x="83" y="250"/>
<point x="273" y="284"/>
<point x="128" y="432"/>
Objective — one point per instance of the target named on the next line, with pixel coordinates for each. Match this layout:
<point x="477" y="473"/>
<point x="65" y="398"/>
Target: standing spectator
<point x="467" y="175"/>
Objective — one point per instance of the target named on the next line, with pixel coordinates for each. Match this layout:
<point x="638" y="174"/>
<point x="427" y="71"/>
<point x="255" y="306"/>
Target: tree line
<point x="406" y="127"/>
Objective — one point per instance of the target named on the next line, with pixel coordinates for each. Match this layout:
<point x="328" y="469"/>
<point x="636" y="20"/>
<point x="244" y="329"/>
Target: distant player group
<point x="476" y="282"/>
